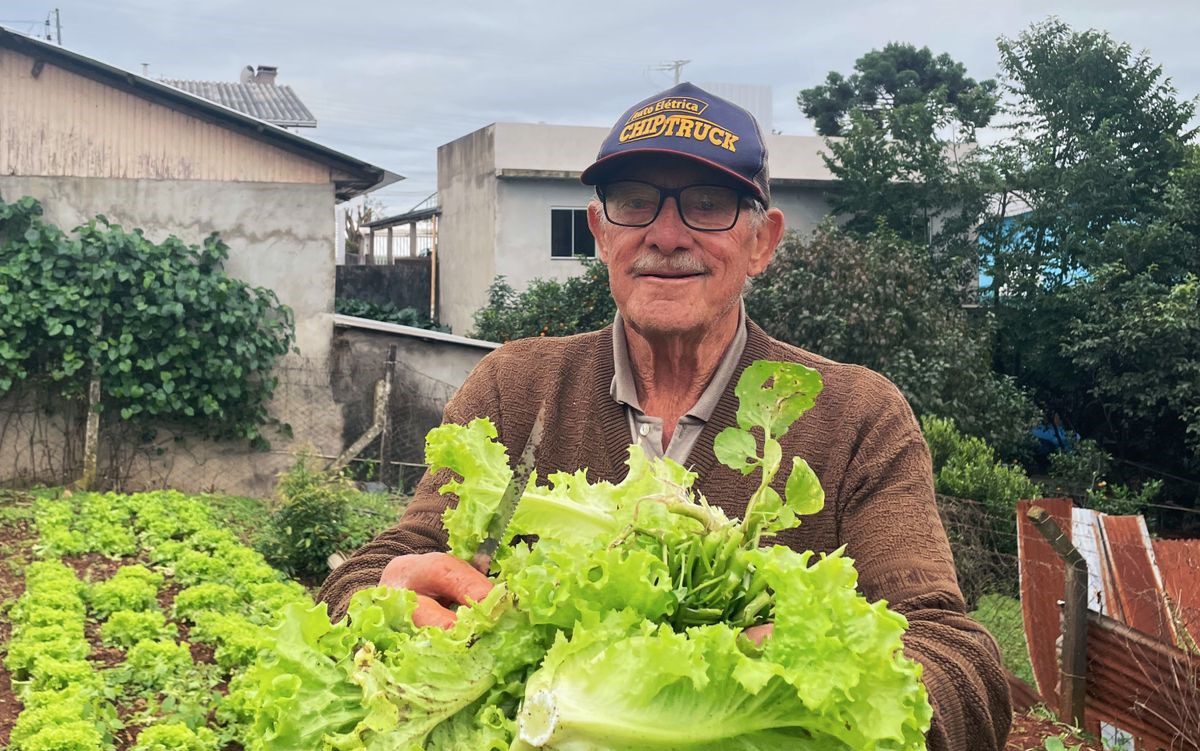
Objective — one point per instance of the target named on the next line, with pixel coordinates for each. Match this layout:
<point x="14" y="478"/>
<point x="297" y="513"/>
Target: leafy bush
<point x="387" y="312"/>
<point x="967" y="467"/>
<point x="171" y="336"/>
<point x="547" y="307"/>
<point x="890" y="305"/>
<point x="308" y="522"/>
<point x="1082" y="473"/>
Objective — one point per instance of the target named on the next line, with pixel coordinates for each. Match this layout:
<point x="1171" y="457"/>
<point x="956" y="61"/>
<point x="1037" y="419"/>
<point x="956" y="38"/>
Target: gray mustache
<point x="678" y="263"/>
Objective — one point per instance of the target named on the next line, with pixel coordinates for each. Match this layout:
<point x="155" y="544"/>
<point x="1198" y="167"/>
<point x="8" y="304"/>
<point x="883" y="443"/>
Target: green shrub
<point x="966" y="467"/>
<point x="1082" y="471"/>
<point x="308" y="522"/>
<point x="387" y="312"/>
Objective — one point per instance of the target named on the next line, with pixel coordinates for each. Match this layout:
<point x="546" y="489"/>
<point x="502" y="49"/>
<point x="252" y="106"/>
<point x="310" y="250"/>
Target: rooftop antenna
<point x="675" y="66"/>
<point x="57" y="27"/>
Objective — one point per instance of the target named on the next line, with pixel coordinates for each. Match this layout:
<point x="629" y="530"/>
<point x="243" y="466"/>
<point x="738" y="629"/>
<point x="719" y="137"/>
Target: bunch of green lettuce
<point x="619" y="629"/>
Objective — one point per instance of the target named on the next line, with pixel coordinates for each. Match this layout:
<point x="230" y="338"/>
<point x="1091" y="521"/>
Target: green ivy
<point x="172" y="337"/>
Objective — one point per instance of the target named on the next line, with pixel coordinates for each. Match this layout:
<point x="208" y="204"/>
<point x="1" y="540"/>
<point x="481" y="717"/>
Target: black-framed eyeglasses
<point x="706" y="208"/>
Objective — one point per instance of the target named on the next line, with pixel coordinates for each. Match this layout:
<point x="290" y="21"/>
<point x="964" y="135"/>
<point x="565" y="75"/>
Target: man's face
<point x="671" y="280"/>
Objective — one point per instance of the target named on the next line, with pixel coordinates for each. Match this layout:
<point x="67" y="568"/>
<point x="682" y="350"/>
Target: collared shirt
<point x="648" y="430"/>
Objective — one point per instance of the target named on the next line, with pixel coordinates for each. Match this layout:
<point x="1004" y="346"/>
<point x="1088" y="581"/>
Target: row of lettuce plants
<point x="224" y="594"/>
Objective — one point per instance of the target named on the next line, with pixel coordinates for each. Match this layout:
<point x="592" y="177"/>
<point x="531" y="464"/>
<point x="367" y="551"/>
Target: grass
<point x="1002" y="617"/>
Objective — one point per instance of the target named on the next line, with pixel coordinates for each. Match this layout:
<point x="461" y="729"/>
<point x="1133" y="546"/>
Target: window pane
<point x="585" y="244"/>
<point x="560" y="233"/>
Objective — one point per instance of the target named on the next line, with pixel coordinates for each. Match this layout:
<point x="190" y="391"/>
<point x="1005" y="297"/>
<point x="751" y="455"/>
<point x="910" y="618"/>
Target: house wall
<point x="466" y="252"/>
<point x="523" y="228"/>
<point x="60" y="123"/>
<point x="427" y="374"/>
<point x="278" y="235"/>
<point x="404" y="284"/>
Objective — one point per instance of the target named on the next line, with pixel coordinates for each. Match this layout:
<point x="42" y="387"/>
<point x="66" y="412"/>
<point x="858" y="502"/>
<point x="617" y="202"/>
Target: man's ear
<point x="766" y="240"/>
<point x="599" y="227"/>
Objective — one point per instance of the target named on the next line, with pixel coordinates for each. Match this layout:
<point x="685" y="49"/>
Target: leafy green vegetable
<point x="619" y="629"/>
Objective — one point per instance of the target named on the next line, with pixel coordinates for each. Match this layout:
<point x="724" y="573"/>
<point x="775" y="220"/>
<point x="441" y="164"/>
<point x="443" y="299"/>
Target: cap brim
<point x="599" y="169"/>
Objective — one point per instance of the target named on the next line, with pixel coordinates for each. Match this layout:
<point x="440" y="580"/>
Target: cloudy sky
<point x="391" y="81"/>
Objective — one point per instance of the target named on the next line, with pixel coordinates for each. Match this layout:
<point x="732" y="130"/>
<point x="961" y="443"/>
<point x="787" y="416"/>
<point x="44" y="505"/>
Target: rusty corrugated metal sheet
<point x="1138" y="680"/>
<point x="1043" y="580"/>
<point x="1179" y="564"/>
<point x="1143" y="686"/>
<point x="1138" y="586"/>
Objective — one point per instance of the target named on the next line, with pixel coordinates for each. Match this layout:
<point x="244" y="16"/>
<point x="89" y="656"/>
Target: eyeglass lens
<point x="705" y="207"/>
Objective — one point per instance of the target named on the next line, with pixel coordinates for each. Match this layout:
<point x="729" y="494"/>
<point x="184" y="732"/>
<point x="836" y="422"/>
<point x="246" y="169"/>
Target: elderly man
<point x="682" y="220"/>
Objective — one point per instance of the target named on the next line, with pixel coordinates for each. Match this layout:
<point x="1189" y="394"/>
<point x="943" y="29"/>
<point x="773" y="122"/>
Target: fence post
<point x="389" y="375"/>
<point x="1073" y="669"/>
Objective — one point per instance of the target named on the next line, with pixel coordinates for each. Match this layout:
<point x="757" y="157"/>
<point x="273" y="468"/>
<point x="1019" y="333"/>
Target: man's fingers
<point x="430" y="613"/>
<point x="462" y="583"/>
<point x="439" y="576"/>
<point x="758" y="634"/>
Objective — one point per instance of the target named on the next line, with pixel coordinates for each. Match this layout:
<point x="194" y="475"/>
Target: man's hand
<point x="440" y="581"/>
<point x="759" y="634"/>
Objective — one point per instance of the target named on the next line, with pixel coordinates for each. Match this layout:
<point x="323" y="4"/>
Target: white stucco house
<point x="512" y="205"/>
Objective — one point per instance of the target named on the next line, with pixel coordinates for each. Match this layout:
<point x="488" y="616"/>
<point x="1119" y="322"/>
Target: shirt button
<point x="644" y="429"/>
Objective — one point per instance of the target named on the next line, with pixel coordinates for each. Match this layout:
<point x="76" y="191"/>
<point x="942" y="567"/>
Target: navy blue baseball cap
<point x="688" y="121"/>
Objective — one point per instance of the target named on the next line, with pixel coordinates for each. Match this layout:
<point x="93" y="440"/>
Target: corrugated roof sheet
<point x="277" y="105"/>
<point x="1179" y="563"/>
<point x="1143" y="670"/>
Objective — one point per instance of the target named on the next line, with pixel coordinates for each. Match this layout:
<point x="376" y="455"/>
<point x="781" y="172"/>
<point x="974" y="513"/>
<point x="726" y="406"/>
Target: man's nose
<point x="668" y="232"/>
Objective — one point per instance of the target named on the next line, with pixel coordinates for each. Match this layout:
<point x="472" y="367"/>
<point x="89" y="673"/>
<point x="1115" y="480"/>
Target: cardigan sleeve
<point x="889" y="522"/>
<point x="419" y="529"/>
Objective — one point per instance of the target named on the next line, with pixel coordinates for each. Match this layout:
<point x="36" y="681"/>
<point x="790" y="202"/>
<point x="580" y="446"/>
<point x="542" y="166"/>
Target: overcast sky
<point x="391" y="81"/>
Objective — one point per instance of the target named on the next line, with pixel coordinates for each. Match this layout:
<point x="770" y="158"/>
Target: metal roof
<point x="278" y="105"/>
<point x="358" y="177"/>
<point x="405" y="218"/>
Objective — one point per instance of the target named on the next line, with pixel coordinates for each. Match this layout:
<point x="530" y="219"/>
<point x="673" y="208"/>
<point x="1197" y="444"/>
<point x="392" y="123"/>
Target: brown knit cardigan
<point x="860" y="438"/>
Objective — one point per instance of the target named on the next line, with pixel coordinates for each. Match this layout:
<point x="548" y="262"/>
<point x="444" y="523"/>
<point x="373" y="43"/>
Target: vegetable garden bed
<point x="124" y="685"/>
<point x="126" y="617"/>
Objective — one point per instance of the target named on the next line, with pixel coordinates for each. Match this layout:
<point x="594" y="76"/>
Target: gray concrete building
<point x="512" y="205"/>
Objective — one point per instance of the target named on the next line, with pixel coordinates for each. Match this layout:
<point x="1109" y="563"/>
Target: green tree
<point x="547" y="307"/>
<point x="1138" y="341"/>
<point x="172" y="338"/>
<point x="1095" y="131"/>
<point x="905" y="153"/>
<point x="1097" y="228"/>
<point x="899" y="76"/>
<point x="879" y="301"/>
